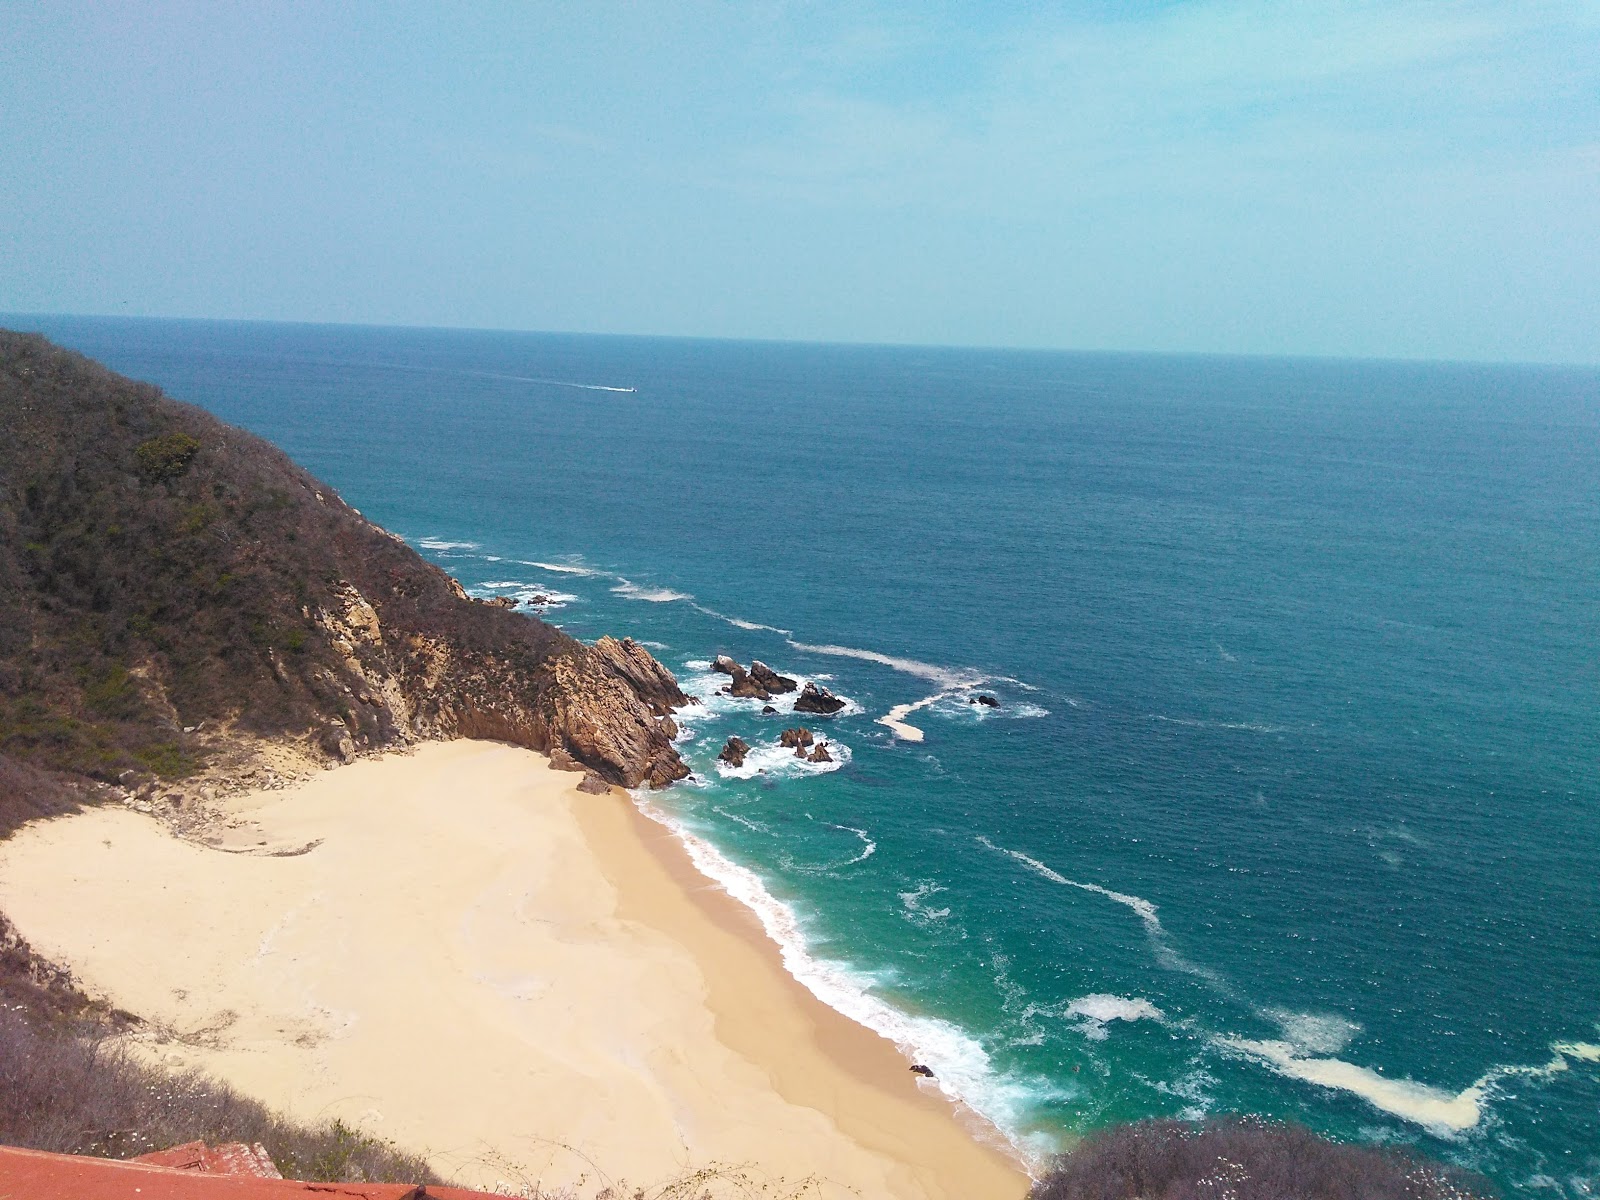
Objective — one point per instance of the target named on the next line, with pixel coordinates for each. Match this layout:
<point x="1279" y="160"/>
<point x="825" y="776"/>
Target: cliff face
<point x="167" y="581"/>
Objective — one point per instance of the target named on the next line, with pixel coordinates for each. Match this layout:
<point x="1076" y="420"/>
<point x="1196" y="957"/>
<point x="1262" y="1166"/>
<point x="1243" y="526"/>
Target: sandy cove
<point x="479" y="962"/>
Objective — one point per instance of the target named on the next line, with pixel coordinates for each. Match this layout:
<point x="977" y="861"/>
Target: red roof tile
<point x="35" y="1175"/>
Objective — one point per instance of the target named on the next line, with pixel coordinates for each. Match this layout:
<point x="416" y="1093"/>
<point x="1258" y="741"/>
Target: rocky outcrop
<point x="814" y="699"/>
<point x="766" y="677"/>
<point x="164" y="577"/>
<point x="792" y="739"/>
<point x="985" y="700"/>
<point x="734" y="752"/>
<point x="746" y="687"/>
<point x="594" y="785"/>
<point x="819" y="754"/>
<point x="635" y="665"/>
<point x="760" y="682"/>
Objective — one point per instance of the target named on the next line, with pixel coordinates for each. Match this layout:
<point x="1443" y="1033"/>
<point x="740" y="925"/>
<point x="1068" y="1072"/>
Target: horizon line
<point x="1303" y="356"/>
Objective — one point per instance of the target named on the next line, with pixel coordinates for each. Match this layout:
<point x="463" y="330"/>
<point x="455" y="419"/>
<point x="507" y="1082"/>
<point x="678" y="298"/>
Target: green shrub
<point x="167" y="456"/>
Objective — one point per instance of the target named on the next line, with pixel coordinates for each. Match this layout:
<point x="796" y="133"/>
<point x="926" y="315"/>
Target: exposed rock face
<point x="745" y="686"/>
<point x="796" y="737"/>
<point x="501" y="602"/>
<point x="760" y="682"/>
<point x="733" y="753"/>
<point x="819" y="755"/>
<point x="814" y="699"/>
<point x="766" y="677"/>
<point x="594" y="785"/>
<point x="199" y="582"/>
<point x="651" y="682"/>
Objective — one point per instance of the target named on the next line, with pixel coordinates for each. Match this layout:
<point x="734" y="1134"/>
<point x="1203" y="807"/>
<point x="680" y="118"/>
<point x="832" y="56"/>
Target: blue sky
<point x="1384" y="179"/>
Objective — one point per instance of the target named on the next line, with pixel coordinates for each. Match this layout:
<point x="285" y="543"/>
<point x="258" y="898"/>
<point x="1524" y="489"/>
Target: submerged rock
<point x="733" y="753"/>
<point x="814" y="699"/>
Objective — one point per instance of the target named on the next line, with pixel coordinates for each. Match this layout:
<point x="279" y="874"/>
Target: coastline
<point x="458" y="951"/>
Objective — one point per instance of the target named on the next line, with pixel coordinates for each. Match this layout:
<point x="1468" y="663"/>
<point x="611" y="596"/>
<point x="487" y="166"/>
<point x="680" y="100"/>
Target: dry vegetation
<point x="1243" y="1159"/>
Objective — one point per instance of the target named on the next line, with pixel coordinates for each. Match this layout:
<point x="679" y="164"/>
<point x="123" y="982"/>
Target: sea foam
<point x="962" y="1068"/>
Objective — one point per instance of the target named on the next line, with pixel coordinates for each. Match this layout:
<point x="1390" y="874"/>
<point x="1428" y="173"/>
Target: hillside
<point x="173" y="589"/>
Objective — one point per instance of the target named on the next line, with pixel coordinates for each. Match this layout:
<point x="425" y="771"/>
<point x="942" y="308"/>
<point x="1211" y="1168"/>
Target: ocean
<point x="1291" y="800"/>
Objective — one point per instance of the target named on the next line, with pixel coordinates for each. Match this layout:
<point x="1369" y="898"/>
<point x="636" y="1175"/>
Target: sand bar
<point x="475" y="960"/>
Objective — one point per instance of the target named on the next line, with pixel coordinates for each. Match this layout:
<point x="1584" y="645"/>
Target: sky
<point x="1326" y="177"/>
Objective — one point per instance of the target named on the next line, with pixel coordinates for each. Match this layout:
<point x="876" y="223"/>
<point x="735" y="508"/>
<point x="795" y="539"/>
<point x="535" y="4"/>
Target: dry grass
<point x="77" y="1091"/>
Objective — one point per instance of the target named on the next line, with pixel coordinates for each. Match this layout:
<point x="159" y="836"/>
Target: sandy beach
<point x="458" y="951"/>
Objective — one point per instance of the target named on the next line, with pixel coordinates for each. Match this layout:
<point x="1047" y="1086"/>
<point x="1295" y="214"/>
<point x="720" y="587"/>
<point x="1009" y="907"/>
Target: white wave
<point x="895" y="718"/>
<point x="962" y="1070"/>
<point x="527" y="594"/>
<point x="1197" y="723"/>
<point x="433" y="543"/>
<point x="739" y="622"/>
<point x="1098" y="1010"/>
<point x="1443" y="1112"/>
<point x="492" y="558"/>
<point x="944" y="676"/>
<point x="778" y="761"/>
<point x="964" y="704"/>
<point x="1433" y="1108"/>
<point x="745" y="821"/>
<point x="1145" y="910"/>
<point x="559" y="568"/>
<point x="1314" y="1033"/>
<point x="634" y="591"/>
<point x="1142" y="908"/>
<point x="868" y="846"/>
<point x="706" y="686"/>
<point x="916" y="911"/>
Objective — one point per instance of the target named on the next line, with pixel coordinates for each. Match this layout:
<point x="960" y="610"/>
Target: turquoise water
<point x="1291" y="804"/>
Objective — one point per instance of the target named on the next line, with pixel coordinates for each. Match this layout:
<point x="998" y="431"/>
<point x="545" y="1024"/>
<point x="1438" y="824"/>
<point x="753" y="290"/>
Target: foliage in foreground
<point x="79" y="1092"/>
<point x="1243" y="1158"/>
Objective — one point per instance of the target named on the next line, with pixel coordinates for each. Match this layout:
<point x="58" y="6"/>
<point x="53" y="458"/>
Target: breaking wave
<point x="962" y="1069"/>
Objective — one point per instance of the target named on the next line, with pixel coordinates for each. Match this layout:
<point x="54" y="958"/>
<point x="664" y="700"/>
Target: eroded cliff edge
<point x="172" y="587"/>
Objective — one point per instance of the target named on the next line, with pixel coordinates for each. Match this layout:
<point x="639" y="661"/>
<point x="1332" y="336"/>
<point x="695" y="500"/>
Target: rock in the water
<point x="819" y="754"/>
<point x="989" y="701"/>
<point x="768" y="711"/>
<point x="744" y="686"/>
<point x="733" y="753"/>
<point x="814" y="699"/>
<point x="796" y="737"/>
<point x="501" y="602"/>
<point x="770" y="679"/>
<point x="594" y="785"/>
<point x="726" y="665"/>
<point x="919" y="1069"/>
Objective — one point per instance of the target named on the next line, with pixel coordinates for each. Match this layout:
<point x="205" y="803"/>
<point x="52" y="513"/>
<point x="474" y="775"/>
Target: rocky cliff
<point x="170" y="584"/>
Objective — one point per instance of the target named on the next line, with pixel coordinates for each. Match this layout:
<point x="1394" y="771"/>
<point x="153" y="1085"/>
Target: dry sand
<point x="479" y="962"/>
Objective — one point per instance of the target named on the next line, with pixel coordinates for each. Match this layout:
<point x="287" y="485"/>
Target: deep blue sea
<point x="1291" y="803"/>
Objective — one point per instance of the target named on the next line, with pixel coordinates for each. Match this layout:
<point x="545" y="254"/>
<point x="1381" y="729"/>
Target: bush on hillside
<point x="1243" y="1158"/>
<point x="82" y="1093"/>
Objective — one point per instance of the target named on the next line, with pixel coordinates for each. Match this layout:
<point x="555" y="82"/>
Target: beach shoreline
<point x="455" y="949"/>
